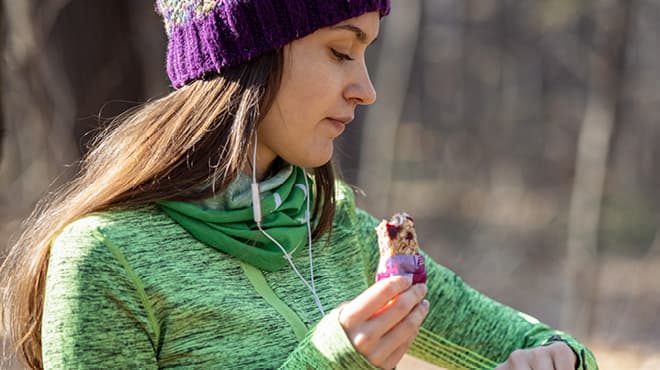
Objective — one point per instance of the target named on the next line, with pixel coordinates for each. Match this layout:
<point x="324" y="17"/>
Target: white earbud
<point x="256" y="199"/>
<point x="256" y="203"/>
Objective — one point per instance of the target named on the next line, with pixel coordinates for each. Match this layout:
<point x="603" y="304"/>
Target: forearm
<point x="470" y="330"/>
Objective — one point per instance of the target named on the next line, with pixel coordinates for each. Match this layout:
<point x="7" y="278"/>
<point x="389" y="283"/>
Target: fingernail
<point x="425" y="303"/>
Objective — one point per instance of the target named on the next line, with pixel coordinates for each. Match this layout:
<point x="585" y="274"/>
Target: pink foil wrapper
<point x="402" y="265"/>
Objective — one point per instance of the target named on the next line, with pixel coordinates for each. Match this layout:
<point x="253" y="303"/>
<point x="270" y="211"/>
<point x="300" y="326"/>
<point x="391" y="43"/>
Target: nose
<point x="361" y="90"/>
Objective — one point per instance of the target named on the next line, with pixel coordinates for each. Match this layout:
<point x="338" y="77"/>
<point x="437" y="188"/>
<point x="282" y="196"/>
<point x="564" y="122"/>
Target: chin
<point x="312" y="161"/>
<point x="313" y="164"/>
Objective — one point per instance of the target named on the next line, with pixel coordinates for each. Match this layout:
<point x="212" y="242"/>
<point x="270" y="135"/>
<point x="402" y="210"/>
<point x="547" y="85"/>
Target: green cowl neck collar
<point x="225" y="222"/>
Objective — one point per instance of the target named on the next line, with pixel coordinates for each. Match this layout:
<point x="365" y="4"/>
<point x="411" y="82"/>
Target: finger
<point x="393" y="360"/>
<point x="398" y="310"/>
<point x="403" y="331"/>
<point x="563" y="356"/>
<point x="366" y="304"/>
<point x="542" y="359"/>
<point x="518" y="360"/>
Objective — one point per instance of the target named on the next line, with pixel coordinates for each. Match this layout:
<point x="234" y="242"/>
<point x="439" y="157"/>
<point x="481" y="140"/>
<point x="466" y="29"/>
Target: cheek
<point x="312" y="89"/>
<point x="314" y="78"/>
<point x="305" y="101"/>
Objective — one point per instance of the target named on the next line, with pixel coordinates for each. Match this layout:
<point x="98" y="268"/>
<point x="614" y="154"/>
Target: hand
<point x="384" y="320"/>
<point x="557" y="356"/>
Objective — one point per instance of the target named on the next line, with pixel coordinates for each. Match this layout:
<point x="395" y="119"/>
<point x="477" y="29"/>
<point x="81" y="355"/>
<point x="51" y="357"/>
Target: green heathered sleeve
<point x="327" y="347"/>
<point x="465" y="329"/>
<point x="95" y="310"/>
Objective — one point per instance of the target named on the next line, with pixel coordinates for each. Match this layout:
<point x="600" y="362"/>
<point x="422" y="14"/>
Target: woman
<point x="185" y="239"/>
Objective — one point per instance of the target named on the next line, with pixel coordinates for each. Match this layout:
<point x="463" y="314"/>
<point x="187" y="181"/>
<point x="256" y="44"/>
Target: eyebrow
<point x="359" y="34"/>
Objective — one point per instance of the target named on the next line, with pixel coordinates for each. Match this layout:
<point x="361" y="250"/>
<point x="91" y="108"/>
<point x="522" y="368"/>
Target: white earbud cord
<point x="256" y="206"/>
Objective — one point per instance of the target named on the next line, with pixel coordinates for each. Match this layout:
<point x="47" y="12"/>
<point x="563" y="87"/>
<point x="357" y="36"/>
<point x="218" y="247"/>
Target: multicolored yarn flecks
<point x="208" y="36"/>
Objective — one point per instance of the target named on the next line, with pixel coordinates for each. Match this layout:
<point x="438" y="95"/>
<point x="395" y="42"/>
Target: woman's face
<point x="324" y="78"/>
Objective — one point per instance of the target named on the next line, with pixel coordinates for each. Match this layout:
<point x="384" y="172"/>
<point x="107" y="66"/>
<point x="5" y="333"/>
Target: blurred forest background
<point x="520" y="134"/>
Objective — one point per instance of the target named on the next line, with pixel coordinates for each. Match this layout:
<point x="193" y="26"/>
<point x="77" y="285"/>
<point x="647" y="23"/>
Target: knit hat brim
<point x="235" y="32"/>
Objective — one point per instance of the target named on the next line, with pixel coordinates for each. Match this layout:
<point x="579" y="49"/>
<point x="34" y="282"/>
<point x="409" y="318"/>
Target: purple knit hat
<point x="207" y="36"/>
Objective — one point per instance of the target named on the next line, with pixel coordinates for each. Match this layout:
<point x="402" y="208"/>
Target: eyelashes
<point x="341" y="56"/>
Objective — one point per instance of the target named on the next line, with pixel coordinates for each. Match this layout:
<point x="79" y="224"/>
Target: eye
<point x="341" y="56"/>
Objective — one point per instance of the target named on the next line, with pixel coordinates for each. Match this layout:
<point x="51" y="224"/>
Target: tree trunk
<point x="3" y="35"/>
<point x="606" y="67"/>
<point x="378" y="146"/>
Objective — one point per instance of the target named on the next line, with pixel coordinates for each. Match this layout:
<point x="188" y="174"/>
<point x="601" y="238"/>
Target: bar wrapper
<point x="411" y="265"/>
<point x="399" y="249"/>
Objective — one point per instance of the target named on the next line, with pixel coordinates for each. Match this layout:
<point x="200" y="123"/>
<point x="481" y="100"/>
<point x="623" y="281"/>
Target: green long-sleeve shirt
<point x="131" y="289"/>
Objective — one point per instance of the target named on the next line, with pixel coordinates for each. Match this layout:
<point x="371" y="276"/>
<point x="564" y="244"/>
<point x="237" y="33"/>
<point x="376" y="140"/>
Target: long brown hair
<point x="164" y="149"/>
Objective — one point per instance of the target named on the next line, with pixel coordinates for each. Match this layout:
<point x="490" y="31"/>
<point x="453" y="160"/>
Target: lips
<point x="339" y="123"/>
<point x="343" y="120"/>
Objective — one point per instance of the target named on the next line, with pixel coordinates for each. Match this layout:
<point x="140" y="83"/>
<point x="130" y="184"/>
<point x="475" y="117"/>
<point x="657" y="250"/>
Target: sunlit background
<point x="520" y="134"/>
